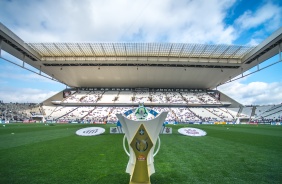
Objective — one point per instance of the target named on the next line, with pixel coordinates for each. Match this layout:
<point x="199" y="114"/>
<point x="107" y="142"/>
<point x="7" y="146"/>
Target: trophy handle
<point x="159" y="145"/>
<point x="124" y="146"/>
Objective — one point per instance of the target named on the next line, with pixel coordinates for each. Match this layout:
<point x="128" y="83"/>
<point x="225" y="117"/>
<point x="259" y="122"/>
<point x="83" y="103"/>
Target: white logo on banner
<point x="166" y="130"/>
<point x="90" y="131"/>
<point x="116" y="130"/>
<point x="192" y="132"/>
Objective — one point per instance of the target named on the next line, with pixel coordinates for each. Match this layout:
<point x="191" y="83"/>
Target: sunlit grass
<point x="35" y="153"/>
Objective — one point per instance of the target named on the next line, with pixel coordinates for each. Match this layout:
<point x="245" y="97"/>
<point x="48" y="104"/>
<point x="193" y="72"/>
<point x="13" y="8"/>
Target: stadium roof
<point x="165" y="65"/>
<point x="153" y="51"/>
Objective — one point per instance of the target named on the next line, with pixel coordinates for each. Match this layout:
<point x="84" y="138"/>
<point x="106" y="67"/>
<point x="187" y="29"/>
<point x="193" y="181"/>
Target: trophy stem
<point x="141" y="145"/>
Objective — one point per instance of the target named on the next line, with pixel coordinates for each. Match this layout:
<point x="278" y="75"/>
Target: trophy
<point x="142" y="136"/>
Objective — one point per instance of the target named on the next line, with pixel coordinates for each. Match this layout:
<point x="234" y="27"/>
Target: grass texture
<point x="35" y="153"/>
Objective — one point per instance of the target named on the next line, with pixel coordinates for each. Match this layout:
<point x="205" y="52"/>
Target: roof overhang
<point x="164" y="65"/>
<point x="12" y="44"/>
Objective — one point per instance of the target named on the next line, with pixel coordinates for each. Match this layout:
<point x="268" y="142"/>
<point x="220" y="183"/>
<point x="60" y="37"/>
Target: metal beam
<point x="18" y="44"/>
<point x="60" y="51"/>
<point x="181" y="51"/>
<point x="1" y="40"/>
<point x="48" y="50"/>
<point x="265" y="47"/>
<point x="71" y="50"/>
<point x="115" y="51"/>
<point x="234" y="79"/>
<point x="196" y="65"/>
<point x="39" y="73"/>
<point x="280" y="51"/>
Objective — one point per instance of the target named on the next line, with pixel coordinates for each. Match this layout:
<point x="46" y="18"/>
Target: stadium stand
<point x="174" y="97"/>
<point x="201" y="109"/>
<point x="233" y="111"/>
<point x="140" y="97"/>
<point x="269" y="113"/>
<point x="206" y="115"/>
<point x="158" y="97"/>
<point x="18" y="111"/>
<point x="246" y="112"/>
<point x="102" y="106"/>
<point x="191" y="98"/>
<point x="108" y="97"/>
<point x="124" y="97"/>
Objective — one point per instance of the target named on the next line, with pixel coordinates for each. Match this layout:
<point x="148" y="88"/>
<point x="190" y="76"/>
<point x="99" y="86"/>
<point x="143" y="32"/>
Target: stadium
<point x="105" y="79"/>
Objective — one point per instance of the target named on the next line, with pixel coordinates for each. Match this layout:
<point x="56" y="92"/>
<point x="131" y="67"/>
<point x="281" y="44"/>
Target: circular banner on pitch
<point x="90" y="131"/>
<point x="192" y="132"/>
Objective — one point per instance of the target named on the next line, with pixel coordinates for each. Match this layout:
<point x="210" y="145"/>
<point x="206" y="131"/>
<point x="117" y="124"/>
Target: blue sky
<point x="242" y="22"/>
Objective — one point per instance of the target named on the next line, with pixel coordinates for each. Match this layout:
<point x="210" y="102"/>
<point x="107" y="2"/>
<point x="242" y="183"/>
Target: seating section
<point x="108" y="97"/>
<point x="191" y="98"/>
<point x="124" y="97"/>
<point x="158" y="97"/>
<point x="206" y="98"/>
<point x="108" y="114"/>
<point x="76" y="97"/>
<point x="222" y="113"/>
<point x="99" y="114"/>
<point x="175" y="97"/>
<point x="141" y="97"/>
<point x="233" y="111"/>
<point x="78" y="113"/>
<point x="185" y="115"/>
<point x="61" y="112"/>
<point x="18" y="111"/>
<point x="269" y="113"/>
<point x="260" y="110"/>
<point x="92" y="97"/>
<point x="205" y="115"/>
<point x="246" y="112"/>
<point x="171" y="102"/>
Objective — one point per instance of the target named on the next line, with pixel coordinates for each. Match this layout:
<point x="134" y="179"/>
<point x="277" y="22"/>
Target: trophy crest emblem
<point x="141" y="145"/>
<point x="141" y="112"/>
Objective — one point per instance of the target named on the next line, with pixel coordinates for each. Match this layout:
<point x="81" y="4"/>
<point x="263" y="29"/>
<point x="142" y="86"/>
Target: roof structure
<point x="119" y="51"/>
<point x="155" y="65"/>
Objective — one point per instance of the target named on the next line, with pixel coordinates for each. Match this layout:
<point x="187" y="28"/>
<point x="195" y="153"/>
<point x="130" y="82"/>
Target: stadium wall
<point x="56" y="97"/>
<point x="225" y="98"/>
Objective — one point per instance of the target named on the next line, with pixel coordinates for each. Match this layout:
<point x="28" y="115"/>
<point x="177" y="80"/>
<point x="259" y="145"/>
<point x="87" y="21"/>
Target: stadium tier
<point x="183" y="105"/>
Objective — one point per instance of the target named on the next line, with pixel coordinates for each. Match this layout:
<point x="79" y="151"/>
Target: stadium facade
<point x="122" y="75"/>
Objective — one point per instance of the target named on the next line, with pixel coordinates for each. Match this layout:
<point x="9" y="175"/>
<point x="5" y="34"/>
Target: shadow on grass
<point x="112" y="178"/>
<point x="161" y="178"/>
<point x="169" y="178"/>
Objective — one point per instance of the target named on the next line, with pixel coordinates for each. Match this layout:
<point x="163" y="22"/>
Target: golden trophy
<point x="142" y="136"/>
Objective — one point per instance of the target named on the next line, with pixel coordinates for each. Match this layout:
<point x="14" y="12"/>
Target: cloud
<point x="267" y="13"/>
<point x="256" y="25"/>
<point x="196" y="21"/>
<point x="254" y="42"/>
<point x="254" y="93"/>
<point x="24" y="95"/>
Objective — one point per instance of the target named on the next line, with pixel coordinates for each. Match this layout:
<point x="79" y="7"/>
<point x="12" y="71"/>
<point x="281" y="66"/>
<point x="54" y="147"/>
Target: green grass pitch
<point x="35" y="153"/>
